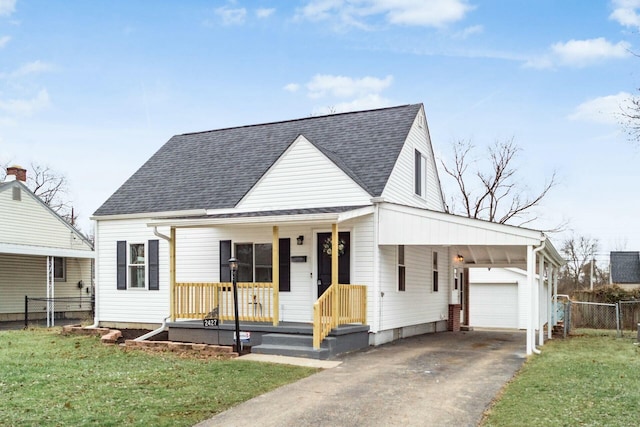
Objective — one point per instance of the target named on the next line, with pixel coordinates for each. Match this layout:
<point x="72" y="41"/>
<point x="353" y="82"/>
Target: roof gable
<point x="29" y="221"/>
<point x="215" y="169"/>
<point x="304" y="177"/>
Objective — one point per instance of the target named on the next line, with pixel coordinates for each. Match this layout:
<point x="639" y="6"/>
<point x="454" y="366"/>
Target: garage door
<point x="493" y="305"/>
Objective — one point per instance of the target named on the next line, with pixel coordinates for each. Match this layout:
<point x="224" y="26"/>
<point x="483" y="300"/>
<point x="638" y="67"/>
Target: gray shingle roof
<point x="625" y="267"/>
<point x="215" y="169"/>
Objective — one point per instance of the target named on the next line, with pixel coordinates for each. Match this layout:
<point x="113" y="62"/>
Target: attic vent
<point x="17" y="195"/>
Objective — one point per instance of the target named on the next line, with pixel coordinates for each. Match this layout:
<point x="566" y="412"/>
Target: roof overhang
<point x="262" y="218"/>
<point x="481" y="243"/>
<point x="13" y="249"/>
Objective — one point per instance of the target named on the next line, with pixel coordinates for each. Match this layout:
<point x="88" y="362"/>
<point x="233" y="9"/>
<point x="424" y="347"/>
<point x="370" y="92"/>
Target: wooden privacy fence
<point x="196" y="300"/>
<point x="339" y="305"/>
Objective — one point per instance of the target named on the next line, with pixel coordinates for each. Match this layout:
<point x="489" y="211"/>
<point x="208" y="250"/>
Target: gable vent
<point x="17" y="194"/>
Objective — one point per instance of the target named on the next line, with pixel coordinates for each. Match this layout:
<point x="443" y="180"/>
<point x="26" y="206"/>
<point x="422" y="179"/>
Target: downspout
<point x="96" y="270"/>
<point x="377" y="294"/>
<point x="160" y="235"/>
<point x="532" y="298"/>
<point x="155" y="332"/>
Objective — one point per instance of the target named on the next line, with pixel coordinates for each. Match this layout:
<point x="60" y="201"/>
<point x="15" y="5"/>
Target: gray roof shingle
<point x="625" y="267"/>
<point x="215" y="169"/>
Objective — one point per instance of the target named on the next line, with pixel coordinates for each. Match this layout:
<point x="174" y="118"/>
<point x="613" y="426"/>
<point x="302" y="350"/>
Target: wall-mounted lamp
<point x="459" y="258"/>
<point x="300" y="239"/>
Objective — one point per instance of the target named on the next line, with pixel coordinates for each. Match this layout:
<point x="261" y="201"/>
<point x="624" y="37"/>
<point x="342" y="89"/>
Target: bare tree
<point x="494" y="195"/>
<point x="51" y="187"/>
<point x="580" y="252"/>
<point x="630" y="114"/>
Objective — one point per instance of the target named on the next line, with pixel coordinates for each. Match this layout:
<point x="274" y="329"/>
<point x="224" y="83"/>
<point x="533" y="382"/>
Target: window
<point x="420" y="174"/>
<point x="435" y="272"/>
<point x="136" y="266"/>
<point x="401" y="269"/>
<point x="254" y="261"/>
<point x="59" y="269"/>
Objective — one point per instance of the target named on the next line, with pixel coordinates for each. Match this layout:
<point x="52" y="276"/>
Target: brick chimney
<point x="18" y="172"/>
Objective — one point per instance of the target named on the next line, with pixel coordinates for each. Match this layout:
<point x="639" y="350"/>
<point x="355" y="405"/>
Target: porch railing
<point x="339" y="305"/>
<point x="196" y="300"/>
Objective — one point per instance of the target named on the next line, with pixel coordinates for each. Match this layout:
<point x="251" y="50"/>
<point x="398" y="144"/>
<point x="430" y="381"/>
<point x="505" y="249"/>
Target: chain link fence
<point x="46" y="311"/>
<point x="622" y="317"/>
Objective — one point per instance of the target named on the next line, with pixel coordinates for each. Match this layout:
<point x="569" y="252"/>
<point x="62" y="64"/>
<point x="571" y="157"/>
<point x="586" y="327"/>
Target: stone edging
<point x="111" y="337"/>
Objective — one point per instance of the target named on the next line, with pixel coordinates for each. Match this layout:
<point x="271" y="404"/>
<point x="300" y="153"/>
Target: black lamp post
<point x="233" y="265"/>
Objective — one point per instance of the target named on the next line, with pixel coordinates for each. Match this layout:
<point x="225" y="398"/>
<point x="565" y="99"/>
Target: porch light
<point x="300" y="239"/>
<point x="233" y="266"/>
<point x="459" y="258"/>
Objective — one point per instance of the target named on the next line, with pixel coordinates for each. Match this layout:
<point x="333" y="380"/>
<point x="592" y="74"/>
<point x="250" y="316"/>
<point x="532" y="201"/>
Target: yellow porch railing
<point x="196" y="300"/>
<point x="339" y="305"/>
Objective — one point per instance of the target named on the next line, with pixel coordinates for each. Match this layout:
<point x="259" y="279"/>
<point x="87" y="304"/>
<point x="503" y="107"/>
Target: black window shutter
<point x="225" y="254"/>
<point x="121" y="261"/>
<point x="154" y="265"/>
<point x="284" y="251"/>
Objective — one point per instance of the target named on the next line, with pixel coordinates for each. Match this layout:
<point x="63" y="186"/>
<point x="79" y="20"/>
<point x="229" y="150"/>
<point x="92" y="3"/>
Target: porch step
<point x="294" y="345"/>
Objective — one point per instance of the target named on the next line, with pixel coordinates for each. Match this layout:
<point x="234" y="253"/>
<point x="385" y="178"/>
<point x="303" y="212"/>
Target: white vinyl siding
<point x="27" y="275"/>
<point x="134" y="305"/>
<point x="29" y="222"/>
<point x="417" y="305"/>
<point x="400" y="187"/>
<point x="304" y="178"/>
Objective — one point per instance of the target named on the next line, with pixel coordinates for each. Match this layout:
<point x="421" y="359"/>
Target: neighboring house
<point x="41" y="255"/>
<point x="624" y="268"/>
<point x="303" y="205"/>
<point x="500" y="298"/>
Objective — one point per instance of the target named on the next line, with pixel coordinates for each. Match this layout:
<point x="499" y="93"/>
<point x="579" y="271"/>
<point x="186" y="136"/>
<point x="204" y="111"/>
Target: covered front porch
<point x="293" y="294"/>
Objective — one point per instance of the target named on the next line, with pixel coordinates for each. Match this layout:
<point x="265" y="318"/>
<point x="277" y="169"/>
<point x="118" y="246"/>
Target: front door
<point x="324" y="260"/>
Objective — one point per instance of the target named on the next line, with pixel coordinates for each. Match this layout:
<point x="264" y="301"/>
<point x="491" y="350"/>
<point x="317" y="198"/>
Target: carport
<point x="482" y="244"/>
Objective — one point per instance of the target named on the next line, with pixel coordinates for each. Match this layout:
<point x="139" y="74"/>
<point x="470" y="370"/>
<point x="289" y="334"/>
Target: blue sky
<point x="93" y="89"/>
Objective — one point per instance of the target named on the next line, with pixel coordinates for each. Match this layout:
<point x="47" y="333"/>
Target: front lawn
<point x="588" y="380"/>
<point x="50" y="379"/>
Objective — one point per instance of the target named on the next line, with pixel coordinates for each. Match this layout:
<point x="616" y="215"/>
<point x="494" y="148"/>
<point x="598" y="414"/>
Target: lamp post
<point x="233" y="266"/>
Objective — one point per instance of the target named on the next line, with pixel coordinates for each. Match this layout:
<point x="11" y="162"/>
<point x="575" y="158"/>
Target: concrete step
<point x="295" y="340"/>
<point x="292" y="351"/>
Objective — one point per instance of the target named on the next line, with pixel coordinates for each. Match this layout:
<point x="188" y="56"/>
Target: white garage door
<point x="493" y="305"/>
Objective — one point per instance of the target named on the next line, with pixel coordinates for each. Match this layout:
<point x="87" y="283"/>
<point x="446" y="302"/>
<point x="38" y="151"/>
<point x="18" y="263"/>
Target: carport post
<point x="530" y="281"/>
<point x="540" y="299"/>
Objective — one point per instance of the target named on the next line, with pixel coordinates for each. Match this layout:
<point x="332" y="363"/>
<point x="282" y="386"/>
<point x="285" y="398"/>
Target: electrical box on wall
<point x="300" y="258"/>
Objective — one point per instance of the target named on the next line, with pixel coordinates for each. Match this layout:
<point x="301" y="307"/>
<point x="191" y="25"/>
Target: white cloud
<point x="4" y="40"/>
<point x="26" y="107"/>
<point x="432" y="13"/>
<point x="292" y="87"/>
<point x="604" y="109"/>
<point x="469" y="31"/>
<point x="232" y="16"/>
<point x="264" y="13"/>
<point x="367" y="102"/>
<point x="580" y="53"/>
<point x="7" y="7"/>
<point x="344" y="87"/>
<point x="625" y="12"/>
<point x="34" y="67"/>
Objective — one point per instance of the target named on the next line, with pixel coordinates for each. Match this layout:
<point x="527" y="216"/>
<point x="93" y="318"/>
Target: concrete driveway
<point x="443" y="379"/>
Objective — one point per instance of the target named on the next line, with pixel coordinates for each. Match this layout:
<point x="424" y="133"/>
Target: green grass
<point x="50" y="379"/>
<point x="587" y="380"/>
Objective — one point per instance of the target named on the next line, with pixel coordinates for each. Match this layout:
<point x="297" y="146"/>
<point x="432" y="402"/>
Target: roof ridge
<point x="296" y="120"/>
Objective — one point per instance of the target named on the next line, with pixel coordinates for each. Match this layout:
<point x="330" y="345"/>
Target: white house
<point x="41" y="256"/>
<point x="349" y="198"/>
